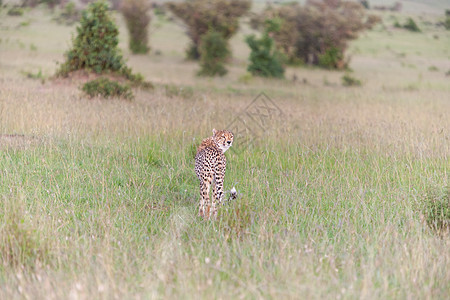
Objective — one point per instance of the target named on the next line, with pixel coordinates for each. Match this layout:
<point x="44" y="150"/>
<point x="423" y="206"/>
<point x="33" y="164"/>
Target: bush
<point x="333" y="58"/>
<point x="51" y="3"/>
<point x="447" y="23"/>
<point x="15" y="11"/>
<point x="70" y="14"/>
<point x="201" y="16"/>
<point x="95" y="46"/>
<point x="265" y="60"/>
<point x="319" y="31"/>
<point x="411" y="25"/>
<point x="106" y="88"/>
<point x="348" y="80"/>
<point x="213" y="53"/>
<point x="136" y="13"/>
<point x="38" y="75"/>
<point x="436" y="209"/>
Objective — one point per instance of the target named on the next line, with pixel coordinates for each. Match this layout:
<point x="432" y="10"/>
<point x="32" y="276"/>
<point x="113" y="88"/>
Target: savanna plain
<point x="98" y="197"/>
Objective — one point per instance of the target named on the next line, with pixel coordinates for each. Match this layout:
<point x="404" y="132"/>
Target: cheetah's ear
<point x="214" y="131"/>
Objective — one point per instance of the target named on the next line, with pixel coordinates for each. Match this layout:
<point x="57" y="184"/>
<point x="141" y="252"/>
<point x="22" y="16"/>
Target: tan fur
<point x="210" y="166"/>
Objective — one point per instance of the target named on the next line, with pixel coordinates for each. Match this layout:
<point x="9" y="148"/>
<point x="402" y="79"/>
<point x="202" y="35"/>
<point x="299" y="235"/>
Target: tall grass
<point x="118" y="218"/>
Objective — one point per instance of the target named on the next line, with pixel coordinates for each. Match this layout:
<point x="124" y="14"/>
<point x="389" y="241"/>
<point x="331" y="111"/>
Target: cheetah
<point x="210" y="165"/>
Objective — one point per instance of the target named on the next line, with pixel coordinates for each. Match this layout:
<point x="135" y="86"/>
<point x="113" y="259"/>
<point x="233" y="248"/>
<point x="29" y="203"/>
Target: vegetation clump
<point x="411" y="25"/>
<point x="95" y="48"/>
<point x="436" y="209"/>
<point x="213" y="53"/>
<point x="15" y="11"/>
<point x="107" y="88"/>
<point x="21" y="246"/>
<point x="202" y="16"/>
<point x="69" y="14"/>
<point x="318" y="32"/>
<point x="265" y="60"/>
<point x="446" y="22"/>
<point x="137" y="17"/>
<point x="348" y="80"/>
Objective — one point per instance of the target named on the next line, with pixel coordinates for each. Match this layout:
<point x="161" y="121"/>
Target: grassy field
<point x="99" y="197"/>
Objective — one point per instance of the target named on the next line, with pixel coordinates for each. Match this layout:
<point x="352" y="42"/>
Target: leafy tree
<point x="318" y="32"/>
<point x="95" y="50"/>
<point x="201" y="16"/>
<point x="213" y="53"/>
<point x="265" y="60"/>
<point x="95" y="46"/>
<point x="137" y="17"/>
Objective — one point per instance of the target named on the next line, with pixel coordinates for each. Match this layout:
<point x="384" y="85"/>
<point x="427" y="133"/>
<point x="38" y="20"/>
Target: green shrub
<point x="95" y="46"/>
<point x="202" y="16"/>
<point x="104" y="87"/>
<point x="348" y="80"/>
<point x="411" y="25"/>
<point x="213" y="53"/>
<point x="136" y="13"/>
<point x="333" y="58"/>
<point x="70" y="14"/>
<point x="51" y="3"/>
<point x="265" y="60"/>
<point x="38" y="75"/>
<point x="433" y="68"/>
<point x="447" y="23"/>
<point x="245" y="78"/>
<point x="15" y="11"/>
<point x="95" y="50"/>
<point x="436" y="209"/>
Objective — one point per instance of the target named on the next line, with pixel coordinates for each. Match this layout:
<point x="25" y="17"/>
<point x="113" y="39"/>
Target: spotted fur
<point x="210" y="165"/>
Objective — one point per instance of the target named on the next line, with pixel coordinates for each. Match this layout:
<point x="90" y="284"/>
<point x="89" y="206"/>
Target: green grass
<point x="98" y="198"/>
<point x="305" y="217"/>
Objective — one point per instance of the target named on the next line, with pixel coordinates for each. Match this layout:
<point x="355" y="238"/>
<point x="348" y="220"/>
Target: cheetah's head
<point x="223" y="139"/>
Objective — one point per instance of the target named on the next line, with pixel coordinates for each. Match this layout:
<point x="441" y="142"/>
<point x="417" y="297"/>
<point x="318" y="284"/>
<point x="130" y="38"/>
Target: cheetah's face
<point x="223" y="139"/>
